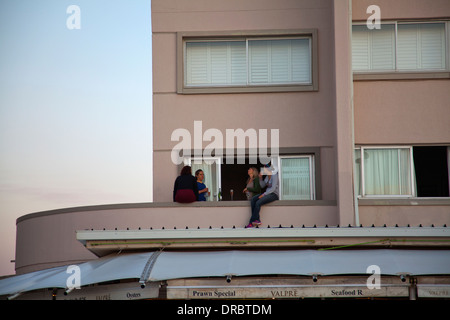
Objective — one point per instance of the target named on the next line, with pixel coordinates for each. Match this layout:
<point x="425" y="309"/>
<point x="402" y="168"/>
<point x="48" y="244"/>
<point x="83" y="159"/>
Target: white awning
<point x="157" y="266"/>
<point x="173" y="265"/>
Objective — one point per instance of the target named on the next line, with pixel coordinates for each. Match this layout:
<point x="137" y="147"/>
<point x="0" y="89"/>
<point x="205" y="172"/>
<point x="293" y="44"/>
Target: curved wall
<point x="48" y="239"/>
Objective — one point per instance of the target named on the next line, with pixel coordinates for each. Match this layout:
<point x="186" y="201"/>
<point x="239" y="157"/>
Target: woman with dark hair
<point x="185" y="188"/>
<point x="202" y="189"/>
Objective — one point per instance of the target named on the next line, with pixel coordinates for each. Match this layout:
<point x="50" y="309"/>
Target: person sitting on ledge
<point x="185" y="189"/>
<point x="271" y="194"/>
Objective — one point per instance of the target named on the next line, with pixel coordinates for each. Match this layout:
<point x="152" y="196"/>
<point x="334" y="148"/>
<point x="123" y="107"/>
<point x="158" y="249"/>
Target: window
<point x="373" y="49"/>
<point x="297" y="178"/>
<point x="385" y="171"/>
<point x="215" y="63"/>
<point x="279" y="61"/>
<point x="421" y="171"/>
<point x="249" y="62"/>
<point x="431" y="164"/>
<point x="211" y="169"/>
<point x="399" y="47"/>
<point x="421" y="46"/>
<point x="257" y="62"/>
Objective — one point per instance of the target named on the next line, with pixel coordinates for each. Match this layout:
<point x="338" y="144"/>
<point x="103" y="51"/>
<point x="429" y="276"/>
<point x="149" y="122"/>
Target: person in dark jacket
<point x="185" y="189"/>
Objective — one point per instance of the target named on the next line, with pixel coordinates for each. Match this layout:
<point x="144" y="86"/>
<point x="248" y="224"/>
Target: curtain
<point x="387" y="171"/>
<point x="295" y="178"/>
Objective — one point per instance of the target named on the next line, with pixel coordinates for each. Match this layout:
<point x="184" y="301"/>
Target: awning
<point x="160" y="265"/>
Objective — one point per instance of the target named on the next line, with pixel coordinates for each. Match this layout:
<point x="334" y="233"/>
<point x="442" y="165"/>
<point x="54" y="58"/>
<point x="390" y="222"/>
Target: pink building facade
<point x="360" y="118"/>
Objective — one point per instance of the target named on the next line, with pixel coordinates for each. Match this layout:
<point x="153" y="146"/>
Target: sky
<point x="75" y="108"/>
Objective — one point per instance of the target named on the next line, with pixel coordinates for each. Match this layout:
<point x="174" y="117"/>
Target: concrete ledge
<point x="399" y="75"/>
<point x="404" y="202"/>
<point x="173" y="205"/>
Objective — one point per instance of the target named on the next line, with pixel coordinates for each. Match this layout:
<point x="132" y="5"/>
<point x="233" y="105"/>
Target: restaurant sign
<point x="285" y="292"/>
<point x="433" y="291"/>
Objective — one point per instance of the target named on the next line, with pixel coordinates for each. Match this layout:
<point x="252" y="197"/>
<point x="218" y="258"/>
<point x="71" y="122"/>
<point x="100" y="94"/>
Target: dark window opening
<point x="234" y="177"/>
<point x="431" y="168"/>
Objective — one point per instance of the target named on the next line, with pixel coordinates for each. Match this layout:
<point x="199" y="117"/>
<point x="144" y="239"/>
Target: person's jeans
<point x="257" y="203"/>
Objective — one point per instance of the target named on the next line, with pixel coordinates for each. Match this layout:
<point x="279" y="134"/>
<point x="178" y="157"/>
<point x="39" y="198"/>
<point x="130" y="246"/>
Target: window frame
<point x="314" y="172"/>
<point x="312" y="177"/>
<point x="188" y="161"/>
<point x="183" y="37"/>
<point x="411" y="175"/>
<point x="407" y="73"/>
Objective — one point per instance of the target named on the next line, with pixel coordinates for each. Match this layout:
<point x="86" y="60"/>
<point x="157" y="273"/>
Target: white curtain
<point x="387" y="171"/>
<point x="295" y="178"/>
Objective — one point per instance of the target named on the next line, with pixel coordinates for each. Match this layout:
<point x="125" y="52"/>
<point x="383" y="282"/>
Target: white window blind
<point x="279" y="61"/>
<point x="373" y="49"/>
<point x="215" y="63"/>
<point x="297" y="178"/>
<point x="421" y="46"/>
<point x="249" y="62"/>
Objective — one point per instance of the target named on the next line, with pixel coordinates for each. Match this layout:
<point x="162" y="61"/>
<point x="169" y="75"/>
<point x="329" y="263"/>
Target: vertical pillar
<point x="344" y="111"/>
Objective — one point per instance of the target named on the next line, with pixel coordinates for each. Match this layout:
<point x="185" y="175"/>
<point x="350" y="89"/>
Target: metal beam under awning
<point x="104" y="242"/>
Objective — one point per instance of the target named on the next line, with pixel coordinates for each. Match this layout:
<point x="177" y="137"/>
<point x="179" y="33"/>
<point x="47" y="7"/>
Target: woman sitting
<point x="185" y="189"/>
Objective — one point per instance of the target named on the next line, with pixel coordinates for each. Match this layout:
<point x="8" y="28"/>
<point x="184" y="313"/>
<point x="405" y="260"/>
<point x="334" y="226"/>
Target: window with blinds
<point x="297" y="178"/>
<point x="399" y="47"/>
<point x="421" y="46"/>
<point x="373" y="49"/>
<point x="248" y="62"/>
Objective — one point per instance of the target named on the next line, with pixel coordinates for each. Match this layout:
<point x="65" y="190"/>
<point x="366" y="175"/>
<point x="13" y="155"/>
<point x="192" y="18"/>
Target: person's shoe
<point x="249" y="225"/>
<point x="256" y="223"/>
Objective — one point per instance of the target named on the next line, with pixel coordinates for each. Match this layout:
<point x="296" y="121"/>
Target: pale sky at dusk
<point x="75" y="108"/>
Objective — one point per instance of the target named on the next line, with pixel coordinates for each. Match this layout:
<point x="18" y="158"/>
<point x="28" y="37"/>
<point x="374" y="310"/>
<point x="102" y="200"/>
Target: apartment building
<point x="348" y="100"/>
<point x="260" y="66"/>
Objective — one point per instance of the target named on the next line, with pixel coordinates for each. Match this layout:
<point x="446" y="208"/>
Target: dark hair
<point x="186" y="171"/>
<point x="198" y="172"/>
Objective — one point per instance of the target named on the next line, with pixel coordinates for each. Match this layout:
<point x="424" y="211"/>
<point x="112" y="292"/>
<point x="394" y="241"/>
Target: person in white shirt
<point x="271" y="194"/>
